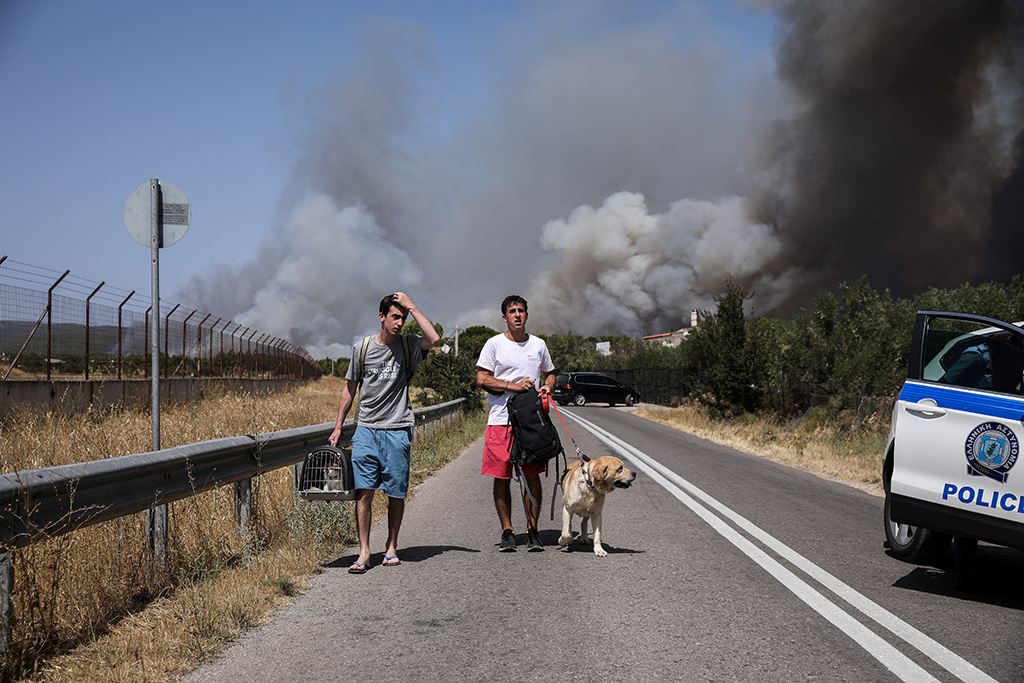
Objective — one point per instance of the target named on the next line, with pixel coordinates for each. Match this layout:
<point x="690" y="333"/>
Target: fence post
<point x="88" y="301"/>
<point x="184" y="334"/>
<point x="6" y="586"/>
<point x="119" y="332"/>
<point x="49" y="321"/>
<point x="210" y="362"/>
<point x="248" y="352"/>
<point x="199" y="348"/>
<point x="167" y="337"/>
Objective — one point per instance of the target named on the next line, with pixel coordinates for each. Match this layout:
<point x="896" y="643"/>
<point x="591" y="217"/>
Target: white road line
<point x="891" y="658"/>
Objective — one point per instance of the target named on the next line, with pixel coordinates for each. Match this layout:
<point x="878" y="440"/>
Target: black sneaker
<point x="533" y="544"/>
<point x="508" y="541"/>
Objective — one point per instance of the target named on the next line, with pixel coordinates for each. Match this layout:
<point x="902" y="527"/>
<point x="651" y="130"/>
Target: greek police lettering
<point x="967" y="495"/>
<point x="991" y="449"/>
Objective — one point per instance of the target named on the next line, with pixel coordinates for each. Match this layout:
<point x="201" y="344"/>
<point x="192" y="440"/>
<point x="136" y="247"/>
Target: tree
<point x="336" y="367"/>
<point x="571" y="352"/>
<point x="628" y="353"/>
<point x="413" y="327"/>
<point x="449" y="377"/>
<point x="472" y="339"/>
<point x="730" y="376"/>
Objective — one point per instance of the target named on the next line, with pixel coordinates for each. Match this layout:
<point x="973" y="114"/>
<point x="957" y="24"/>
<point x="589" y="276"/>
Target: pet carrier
<point x="326" y="474"/>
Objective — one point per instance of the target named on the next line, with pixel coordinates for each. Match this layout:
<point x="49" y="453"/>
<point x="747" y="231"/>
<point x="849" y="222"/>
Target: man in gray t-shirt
<point x="384" y="401"/>
<point x="382" y="442"/>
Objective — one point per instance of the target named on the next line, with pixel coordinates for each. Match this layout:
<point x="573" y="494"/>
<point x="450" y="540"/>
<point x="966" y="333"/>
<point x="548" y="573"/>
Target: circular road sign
<point x="175" y="212"/>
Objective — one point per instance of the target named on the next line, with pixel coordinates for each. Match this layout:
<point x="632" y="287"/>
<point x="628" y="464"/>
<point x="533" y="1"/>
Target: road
<point x="721" y="566"/>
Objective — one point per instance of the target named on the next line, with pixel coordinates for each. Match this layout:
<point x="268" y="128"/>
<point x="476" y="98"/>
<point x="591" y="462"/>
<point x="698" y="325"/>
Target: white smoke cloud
<point x="463" y="208"/>
<point x="626" y="270"/>
<point x="329" y="277"/>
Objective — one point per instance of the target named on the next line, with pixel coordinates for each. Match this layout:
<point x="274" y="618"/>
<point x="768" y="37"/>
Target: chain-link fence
<point x="59" y="326"/>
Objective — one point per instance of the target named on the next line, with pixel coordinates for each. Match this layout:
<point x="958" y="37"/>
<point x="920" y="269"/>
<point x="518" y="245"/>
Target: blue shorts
<point x="380" y="460"/>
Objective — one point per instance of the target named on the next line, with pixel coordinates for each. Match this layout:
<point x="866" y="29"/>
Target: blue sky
<point x="225" y="101"/>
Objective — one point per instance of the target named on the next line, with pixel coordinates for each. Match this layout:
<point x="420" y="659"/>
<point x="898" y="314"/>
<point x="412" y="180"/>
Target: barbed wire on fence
<point x="53" y="321"/>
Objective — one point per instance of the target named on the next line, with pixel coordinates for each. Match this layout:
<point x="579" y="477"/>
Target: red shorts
<point x="496" y="464"/>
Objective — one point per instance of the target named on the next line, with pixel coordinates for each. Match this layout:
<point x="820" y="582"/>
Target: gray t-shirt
<point x="383" y="403"/>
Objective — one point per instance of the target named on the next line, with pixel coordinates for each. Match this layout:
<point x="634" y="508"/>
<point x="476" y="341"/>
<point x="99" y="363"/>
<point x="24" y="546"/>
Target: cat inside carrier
<point x="326" y="474"/>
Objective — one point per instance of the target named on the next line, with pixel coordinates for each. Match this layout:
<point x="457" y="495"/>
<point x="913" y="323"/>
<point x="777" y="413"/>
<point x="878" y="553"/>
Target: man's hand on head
<point x="403" y="301"/>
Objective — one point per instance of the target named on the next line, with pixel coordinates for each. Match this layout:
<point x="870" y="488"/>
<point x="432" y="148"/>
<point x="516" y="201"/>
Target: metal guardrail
<point x="42" y="503"/>
<point x="46" y="502"/>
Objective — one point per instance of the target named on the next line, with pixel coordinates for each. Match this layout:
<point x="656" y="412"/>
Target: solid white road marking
<point x="890" y="657"/>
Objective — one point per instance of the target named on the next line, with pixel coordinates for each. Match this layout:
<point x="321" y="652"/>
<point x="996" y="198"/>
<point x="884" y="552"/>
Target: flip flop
<point x="357" y="568"/>
<point x="391" y="561"/>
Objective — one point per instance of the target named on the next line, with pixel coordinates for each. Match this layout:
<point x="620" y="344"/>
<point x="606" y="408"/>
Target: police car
<point x="950" y="464"/>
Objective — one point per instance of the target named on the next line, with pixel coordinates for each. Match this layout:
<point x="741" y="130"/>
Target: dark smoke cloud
<point x="904" y="126"/>
<point x="619" y="181"/>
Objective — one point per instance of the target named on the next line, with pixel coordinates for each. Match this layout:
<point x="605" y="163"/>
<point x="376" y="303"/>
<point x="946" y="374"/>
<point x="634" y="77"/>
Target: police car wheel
<point x="579" y="399"/>
<point x="913" y="543"/>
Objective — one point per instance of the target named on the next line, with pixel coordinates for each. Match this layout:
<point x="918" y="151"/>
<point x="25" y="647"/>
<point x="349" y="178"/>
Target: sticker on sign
<point x="174" y="216"/>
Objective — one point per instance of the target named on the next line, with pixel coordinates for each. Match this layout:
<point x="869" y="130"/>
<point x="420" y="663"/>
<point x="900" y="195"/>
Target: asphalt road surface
<point x="721" y="567"/>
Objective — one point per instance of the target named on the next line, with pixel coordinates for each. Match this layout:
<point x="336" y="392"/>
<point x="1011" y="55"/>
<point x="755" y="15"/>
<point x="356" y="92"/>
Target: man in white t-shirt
<point x="509" y="363"/>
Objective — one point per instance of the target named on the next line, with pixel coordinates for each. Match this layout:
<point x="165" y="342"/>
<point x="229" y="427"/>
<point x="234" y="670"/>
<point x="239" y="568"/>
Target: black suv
<point x="580" y="387"/>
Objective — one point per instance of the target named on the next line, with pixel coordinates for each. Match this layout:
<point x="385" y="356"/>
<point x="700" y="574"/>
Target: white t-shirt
<point x="512" y="361"/>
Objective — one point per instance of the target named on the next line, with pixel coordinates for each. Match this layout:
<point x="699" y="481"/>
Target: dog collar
<point x="586" y="472"/>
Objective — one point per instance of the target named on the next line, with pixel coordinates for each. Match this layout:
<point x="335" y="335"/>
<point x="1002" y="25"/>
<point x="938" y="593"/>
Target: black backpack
<point x="534" y="437"/>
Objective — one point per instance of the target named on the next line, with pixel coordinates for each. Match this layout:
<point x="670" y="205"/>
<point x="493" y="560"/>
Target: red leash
<point x="583" y="458"/>
<point x="544" y="404"/>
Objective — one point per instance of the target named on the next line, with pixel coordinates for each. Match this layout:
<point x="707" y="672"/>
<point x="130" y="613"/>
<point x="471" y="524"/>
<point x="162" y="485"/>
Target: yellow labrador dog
<point x="583" y="491"/>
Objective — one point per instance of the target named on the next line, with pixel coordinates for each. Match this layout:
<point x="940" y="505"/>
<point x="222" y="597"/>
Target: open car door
<point x="957" y="429"/>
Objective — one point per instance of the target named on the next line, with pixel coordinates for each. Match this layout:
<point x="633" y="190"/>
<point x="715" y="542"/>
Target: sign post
<point x="157" y="215"/>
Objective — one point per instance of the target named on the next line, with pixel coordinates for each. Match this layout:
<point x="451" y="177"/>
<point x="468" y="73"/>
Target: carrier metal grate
<point x="326" y="474"/>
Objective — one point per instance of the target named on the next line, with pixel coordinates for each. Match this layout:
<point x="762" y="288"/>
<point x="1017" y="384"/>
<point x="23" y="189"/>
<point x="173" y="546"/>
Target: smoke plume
<point x="642" y="271"/>
<point x="904" y="127"/>
<point x="903" y="131"/>
<point x="619" y="181"/>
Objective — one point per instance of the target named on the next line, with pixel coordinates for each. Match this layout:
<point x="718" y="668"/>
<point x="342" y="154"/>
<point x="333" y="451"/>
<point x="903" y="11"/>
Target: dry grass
<point x="90" y="605"/>
<point x="845" y="447"/>
<point x="15" y="374"/>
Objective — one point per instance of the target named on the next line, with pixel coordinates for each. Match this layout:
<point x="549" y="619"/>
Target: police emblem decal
<point x="991" y="451"/>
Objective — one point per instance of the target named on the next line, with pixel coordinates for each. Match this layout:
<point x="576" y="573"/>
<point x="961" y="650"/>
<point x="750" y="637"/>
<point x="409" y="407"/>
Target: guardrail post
<point x="243" y="505"/>
<point x="6" y="586"/>
<point x="156" y="532"/>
